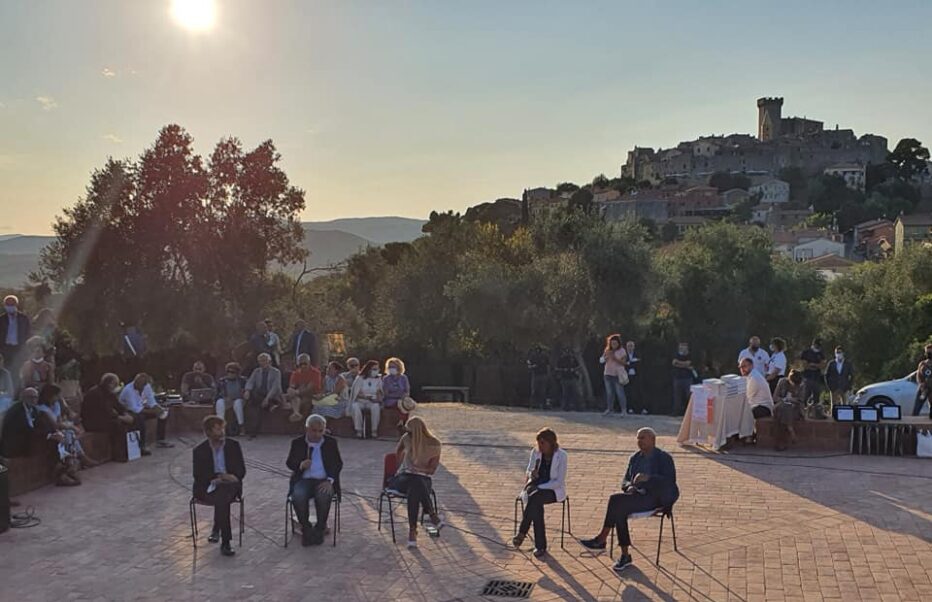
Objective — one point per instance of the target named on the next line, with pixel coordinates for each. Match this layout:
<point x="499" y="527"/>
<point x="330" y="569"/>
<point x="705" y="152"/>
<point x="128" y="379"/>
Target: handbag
<point x="133" y="451"/>
<point x="924" y="444"/>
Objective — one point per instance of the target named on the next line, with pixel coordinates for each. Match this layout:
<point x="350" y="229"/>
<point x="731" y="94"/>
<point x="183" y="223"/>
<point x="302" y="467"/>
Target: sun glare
<point x="194" y="15"/>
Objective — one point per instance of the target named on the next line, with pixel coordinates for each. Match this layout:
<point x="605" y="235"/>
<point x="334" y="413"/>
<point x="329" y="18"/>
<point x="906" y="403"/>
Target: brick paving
<point x="750" y="526"/>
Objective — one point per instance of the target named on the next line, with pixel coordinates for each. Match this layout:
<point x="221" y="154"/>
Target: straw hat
<point x="407" y="405"/>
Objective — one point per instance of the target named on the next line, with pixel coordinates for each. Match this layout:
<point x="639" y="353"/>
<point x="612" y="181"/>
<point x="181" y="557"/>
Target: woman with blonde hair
<point x="418" y="455"/>
<point x="615" y="359"/>
<point x="395" y="387"/>
<point x="545" y="484"/>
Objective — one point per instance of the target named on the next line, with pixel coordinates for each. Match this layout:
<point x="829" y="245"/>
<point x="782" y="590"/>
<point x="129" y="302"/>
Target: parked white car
<point x="901" y="392"/>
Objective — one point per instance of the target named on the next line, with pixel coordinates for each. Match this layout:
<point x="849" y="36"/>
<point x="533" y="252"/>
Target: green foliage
<point x="581" y="199"/>
<point x="796" y="178"/>
<point x="724" y="180"/>
<point x="909" y="158"/>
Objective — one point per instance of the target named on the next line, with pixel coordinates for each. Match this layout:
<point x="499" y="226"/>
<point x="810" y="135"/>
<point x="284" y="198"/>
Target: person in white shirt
<point x="758" y="392"/>
<point x="758" y="356"/>
<point x="776" y="366"/>
<point x="366" y="396"/>
<point x="545" y="484"/>
<point x="139" y="400"/>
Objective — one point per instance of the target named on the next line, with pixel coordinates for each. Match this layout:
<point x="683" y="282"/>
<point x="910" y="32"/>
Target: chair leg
<point x="611" y="544"/>
<point x="673" y="528"/>
<point x="336" y="521"/>
<point x="391" y="518"/>
<point x="192" y="513"/>
<point x="242" y="520"/>
<point x="562" y="524"/>
<point x="517" y="500"/>
<point x="660" y="539"/>
<point x="569" y="517"/>
<point x="381" y="497"/>
<point x="287" y="519"/>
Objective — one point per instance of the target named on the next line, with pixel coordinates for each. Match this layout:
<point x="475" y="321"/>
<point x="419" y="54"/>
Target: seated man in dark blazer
<point x="649" y="483"/>
<point x="218" y="478"/>
<point x="102" y="412"/>
<point x="315" y="464"/>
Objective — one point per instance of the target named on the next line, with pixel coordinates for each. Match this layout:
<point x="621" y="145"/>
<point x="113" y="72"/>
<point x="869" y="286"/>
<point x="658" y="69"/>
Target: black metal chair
<point x="662" y="513"/>
<point x="565" y="520"/>
<point x="192" y="511"/>
<point x="291" y="519"/>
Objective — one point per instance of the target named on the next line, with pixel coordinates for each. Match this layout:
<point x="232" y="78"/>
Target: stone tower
<point x="768" y="118"/>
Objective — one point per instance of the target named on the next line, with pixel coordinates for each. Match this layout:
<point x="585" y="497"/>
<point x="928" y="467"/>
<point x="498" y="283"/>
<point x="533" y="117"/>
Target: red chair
<point x="389" y="468"/>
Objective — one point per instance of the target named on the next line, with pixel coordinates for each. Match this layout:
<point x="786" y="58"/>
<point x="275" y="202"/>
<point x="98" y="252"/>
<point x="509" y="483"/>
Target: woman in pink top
<point x="616" y="374"/>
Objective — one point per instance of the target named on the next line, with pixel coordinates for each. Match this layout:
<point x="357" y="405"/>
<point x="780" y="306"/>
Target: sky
<point x="403" y="107"/>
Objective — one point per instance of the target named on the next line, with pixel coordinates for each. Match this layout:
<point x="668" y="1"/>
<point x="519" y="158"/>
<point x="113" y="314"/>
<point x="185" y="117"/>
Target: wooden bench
<point x="454" y="392"/>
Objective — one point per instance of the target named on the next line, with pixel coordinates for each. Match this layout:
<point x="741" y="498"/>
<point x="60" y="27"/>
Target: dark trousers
<point x="538" y="390"/>
<point x="681" y="395"/>
<point x="623" y="505"/>
<point x="253" y="412"/>
<point x="569" y="394"/>
<point x="221" y="498"/>
<point x="633" y="394"/>
<point x="140" y="424"/>
<point x="814" y="385"/>
<point x="761" y="412"/>
<point x="302" y="492"/>
<point x="534" y="515"/>
<point x="417" y="488"/>
<point x="920" y="401"/>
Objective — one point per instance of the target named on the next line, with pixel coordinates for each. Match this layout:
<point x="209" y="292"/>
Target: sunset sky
<point x="401" y="107"/>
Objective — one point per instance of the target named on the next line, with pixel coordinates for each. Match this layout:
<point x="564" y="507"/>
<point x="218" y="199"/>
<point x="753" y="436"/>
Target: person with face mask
<point x="102" y="412"/>
<point x="37" y="371"/>
<point x="15" y="330"/>
<point x="757" y="355"/>
<point x="924" y="380"/>
<point x="366" y="396"/>
<point x="839" y="376"/>
<point x="682" y="378"/>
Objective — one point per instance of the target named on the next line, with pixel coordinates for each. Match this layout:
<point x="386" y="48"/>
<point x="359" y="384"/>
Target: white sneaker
<point x="606" y="412"/>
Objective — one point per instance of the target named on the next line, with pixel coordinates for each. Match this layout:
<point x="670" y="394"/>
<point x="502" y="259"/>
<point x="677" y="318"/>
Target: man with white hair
<point x="315" y="464"/>
<point x="15" y="329"/>
<point x="139" y="399"/>
<point x="649" y="484"/>
<point x="263" y="393"/>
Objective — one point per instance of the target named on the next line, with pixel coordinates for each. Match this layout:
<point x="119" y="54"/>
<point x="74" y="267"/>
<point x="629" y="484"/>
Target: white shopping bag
<point x="133" y="452"/>
<point x="924" y="444"/>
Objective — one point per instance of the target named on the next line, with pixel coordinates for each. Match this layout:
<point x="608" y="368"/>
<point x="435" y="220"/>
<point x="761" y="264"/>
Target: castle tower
<point x="768" y="118"/>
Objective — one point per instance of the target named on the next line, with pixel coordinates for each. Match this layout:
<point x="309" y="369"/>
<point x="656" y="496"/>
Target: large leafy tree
<point x="175" y="244"/>
<point x="909" y="158"/>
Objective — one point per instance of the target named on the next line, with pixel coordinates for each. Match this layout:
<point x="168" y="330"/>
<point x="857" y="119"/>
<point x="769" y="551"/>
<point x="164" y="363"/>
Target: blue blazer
<point x="662" y="481"/>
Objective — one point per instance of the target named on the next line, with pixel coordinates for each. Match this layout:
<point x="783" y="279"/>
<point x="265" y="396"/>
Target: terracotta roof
<point x="830" y="261"/>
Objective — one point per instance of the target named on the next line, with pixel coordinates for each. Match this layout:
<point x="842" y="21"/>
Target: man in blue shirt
<point x="315" y="464"/>
<point x="649" y="484"/>
<point x="219" y="469"/>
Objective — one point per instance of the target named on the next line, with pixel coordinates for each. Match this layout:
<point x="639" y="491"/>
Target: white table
<point x="717" y="410"/>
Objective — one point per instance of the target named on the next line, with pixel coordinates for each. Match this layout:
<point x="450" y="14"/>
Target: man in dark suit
<point x="303" y="341"/>
<point x="102" y="412"/>
<point x="649" y="484"/>
<point x="219" y="469"/>
<point x="315" y="464"/>
<point x="15" y="329"/>
<point x="839" y="376"/>
<point x="23" y="433"/>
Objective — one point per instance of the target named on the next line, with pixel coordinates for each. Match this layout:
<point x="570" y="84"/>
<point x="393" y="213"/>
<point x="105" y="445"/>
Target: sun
<point x="194" y="15"/>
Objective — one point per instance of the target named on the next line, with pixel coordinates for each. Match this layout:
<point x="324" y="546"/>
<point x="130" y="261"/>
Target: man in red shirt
<point x="303" y="386"/>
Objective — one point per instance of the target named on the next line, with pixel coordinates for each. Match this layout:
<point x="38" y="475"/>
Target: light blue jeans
<point x="614" y="390"/>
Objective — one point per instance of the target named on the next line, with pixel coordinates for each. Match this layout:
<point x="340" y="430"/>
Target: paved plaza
<point x="750" y="525"/>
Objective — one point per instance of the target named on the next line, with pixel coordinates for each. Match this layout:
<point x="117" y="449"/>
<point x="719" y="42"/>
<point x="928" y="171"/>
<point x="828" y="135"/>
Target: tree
<point x="179" y="247"/>
<point x="669" y="232"/>
<point x="600" y="181"/>
<point x="909" y="158"/>
<point x="581" y="199"/>
<point x="796" y="178"/>
<point x="566" y="187"/>
<point x="724" y="180"/>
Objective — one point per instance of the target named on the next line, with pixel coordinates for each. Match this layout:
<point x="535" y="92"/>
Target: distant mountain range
<point x="329" y="243"/>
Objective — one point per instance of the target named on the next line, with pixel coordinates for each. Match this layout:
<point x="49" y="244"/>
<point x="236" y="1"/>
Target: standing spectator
<point x="615" y="359"/>
<point x="101" y="411"/>
<point x="839" y="376"/>
<point x="776" y="366"/>
<point x="231" y="388"/>
<point x="538" y="364"/>
<point x="683" y="374"/>
<point x="366" y="396"/>
<point x="814" y="360"/>
<point x="273" y="342"/>
<point x="395" y="387"/>
<point x="758" y="392"/>
<point x="219" y="470"/>
<point x="756" y="354"/>
<point x="133" y="345"/>
<point x="924" y="380"/>
<point x="6" y="389"/>
<point x="263" y="393"/>
<point x="197" y="378"/>
<point x="264" y="341"/>
<point x="139" y="398"/>
<point x="37" y="371"/>
<point x="303" y="341"/>
<point x="568" y="376"/>
<point x="633" y="391"/>
<point x="303" y="387"/>
<point x="15" y="330"/>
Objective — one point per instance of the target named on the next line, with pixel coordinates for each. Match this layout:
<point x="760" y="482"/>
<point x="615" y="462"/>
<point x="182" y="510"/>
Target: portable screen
<point x="843" y="413"/>
<point x="868" y="414"/>
<point x="890" y="413"/>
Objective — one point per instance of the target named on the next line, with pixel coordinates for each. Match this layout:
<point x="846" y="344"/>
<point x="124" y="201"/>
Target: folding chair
<point x="662" y="513"/>
<point x="291" y="519"/>
<point x="565" y="520"/>
<point x="389" y="468"/>
<point x="192" y="511"/>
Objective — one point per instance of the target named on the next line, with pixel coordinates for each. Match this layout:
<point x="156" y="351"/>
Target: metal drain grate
<point x="508" y="589"/>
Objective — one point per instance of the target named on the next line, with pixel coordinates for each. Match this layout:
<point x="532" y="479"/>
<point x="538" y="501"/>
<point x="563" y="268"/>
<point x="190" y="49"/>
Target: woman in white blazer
<point x="546" y="484"/>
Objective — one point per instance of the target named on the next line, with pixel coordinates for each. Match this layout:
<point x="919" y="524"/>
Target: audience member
<point x="101" y="411"/>
<point x="776" y="366"/>
<point x="219" y="470"/>
<point x="789" y="396"/>
<point x="814" y="360"/>
<point x="303" y="387"/>
<point x="366" y="396"/>
<point x="22" y="434"/>
<point x="633" y="393"/>
<point x="683" y="374"/>
<point x="303" y="341"/>
<point x="15" y="330"/>
<point x="758" y="391"/>
<point x="395" y="386"/>
<point x="139" y="399"/>
<point x="263" y="393"/>
<point x="59" y="420"/>
<point x="230" y="391"/>
<point x="758" y="356"/>
<point x="335" y="400"/>
<point x="418" y="455"/>
<point x="315" y="464"/>
<point x="839" y="376"/>
<point x="568" y="376"/>
<point x="197" y="378"/>
<point x="924" y="380"/>
<point x="648" y="484"/>
<point x="265" y="341"/>
<point x="36" y="372"/>
<point x="6" y="387"/>
<point x="352" y="372"/>
<point x="615" y="359"/>
<point x="538" y="364"/>
<point x="545" y="483"/>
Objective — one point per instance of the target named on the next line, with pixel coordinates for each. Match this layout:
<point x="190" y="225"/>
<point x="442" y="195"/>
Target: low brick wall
<point x="829" y="435"/>
<point x="35" y="471"/>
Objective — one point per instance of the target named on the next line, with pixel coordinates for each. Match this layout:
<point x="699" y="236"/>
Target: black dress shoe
<point x="593" y="544"/>
<point x="226" y="549"/>
<point x="306" y="537"/>
<point x="317" y="537"/>
<point x="214" y="536"/>
<point x="539" y="552"/>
